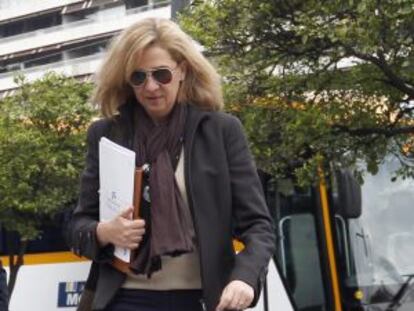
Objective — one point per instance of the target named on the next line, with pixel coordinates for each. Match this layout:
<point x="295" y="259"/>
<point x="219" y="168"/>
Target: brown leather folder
<point x="116" y="262"/>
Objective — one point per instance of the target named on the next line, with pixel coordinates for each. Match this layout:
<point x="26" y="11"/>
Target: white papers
<point x="116" y="178"/>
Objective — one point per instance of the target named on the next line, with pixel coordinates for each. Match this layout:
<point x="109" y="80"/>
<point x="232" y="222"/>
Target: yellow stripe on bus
<point x="329" y="243"/>
<point x="46" y="258"/>
<point x="60" y="257"/>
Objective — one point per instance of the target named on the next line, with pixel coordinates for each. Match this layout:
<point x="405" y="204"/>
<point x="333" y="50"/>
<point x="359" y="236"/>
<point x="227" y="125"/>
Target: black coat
<point x="225" y="197"/>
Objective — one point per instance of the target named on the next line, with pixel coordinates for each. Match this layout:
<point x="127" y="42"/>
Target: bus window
<point x="298" y="254"/>
<point x="51" y="238"/>
<point x="301" y="261"/>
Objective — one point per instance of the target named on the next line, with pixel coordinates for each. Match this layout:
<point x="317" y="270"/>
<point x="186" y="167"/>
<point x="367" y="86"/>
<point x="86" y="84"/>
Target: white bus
<point x="52" y="278"/>
<point x="341" y="246"/>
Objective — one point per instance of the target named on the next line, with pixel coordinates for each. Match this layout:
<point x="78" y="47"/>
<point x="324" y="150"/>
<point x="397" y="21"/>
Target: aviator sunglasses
<point x="162" y="75"/>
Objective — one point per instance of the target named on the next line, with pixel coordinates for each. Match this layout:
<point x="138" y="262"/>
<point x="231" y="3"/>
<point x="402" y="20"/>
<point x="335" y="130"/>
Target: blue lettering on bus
<point x="69" y="293"/>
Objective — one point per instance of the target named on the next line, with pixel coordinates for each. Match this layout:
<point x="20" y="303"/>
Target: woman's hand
<point x="237" y="295"/>
<point x="121" y="231"/>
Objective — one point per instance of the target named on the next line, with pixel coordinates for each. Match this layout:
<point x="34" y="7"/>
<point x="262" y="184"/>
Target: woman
<point x="161" y="98"/>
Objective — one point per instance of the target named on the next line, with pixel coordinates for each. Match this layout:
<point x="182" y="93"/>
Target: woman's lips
<point x="154" y="97"/>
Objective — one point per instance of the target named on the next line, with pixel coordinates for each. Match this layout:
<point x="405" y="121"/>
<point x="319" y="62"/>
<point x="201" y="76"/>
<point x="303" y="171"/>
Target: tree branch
<point x="402" y="113"/>
<point x="381" y="63"/>
<point x="387" y="132"/>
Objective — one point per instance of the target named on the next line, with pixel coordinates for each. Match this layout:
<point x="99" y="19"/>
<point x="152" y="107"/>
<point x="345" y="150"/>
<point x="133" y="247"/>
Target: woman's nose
<point x="151" y="84"/>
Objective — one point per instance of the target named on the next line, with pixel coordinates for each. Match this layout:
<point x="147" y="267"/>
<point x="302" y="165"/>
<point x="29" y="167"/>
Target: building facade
<point x="65" y="36"/>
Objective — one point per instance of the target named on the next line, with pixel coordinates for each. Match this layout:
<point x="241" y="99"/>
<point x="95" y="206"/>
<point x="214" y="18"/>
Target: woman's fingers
<point x="136" y="224"/>
<point x="126" y="213"/>
<point x="122" y="231"/>
<point x="226" y="300"/>
<point x="237" y="295"/>
<point x="132" y="235"/>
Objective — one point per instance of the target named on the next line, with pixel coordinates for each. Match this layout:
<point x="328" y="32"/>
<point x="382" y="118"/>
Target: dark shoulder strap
<point x="115" y="131"/>
<point x="120" y="130"/>
<point x="104" y="127"/>
<point x="110" y="128"/>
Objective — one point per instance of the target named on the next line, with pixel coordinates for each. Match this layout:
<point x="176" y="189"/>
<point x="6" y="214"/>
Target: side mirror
<point x="349" y="200"/>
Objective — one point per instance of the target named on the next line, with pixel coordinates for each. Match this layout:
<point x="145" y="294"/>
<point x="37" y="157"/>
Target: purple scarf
<point x="170" y="231"/>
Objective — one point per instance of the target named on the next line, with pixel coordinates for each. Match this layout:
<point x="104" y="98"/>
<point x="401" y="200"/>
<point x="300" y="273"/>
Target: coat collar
<point x="194" y="116"/>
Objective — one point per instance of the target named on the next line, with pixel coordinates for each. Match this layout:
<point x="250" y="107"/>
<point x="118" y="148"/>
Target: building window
<point x="47" y="59"/>
<point x="30" y="24"/>
<point x="130" y="4"/>
<point x="87" y="50"/>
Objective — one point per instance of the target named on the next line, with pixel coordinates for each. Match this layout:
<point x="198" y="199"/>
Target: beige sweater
<point x="181" y="272"/>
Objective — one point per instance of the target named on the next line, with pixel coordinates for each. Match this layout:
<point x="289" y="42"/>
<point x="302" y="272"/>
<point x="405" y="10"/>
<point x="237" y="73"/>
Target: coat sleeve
<point x="252" y="223"/>
<point x="83" y="240"/>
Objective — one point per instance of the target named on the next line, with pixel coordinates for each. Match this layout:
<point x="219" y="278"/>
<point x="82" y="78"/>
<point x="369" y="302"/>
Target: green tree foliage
<point x="42" y="134"/>
<point x="312" y="78"/>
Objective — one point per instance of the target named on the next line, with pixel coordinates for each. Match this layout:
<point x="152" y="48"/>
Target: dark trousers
<point x="153" y="300"/>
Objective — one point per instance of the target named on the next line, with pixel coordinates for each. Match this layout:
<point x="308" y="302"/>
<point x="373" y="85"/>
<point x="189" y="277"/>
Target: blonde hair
<point x="200" y="87"/>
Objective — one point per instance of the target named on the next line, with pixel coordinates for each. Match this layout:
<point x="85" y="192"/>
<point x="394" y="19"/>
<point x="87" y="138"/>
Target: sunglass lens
<point x="163" y="75"/>
<point x="138" y="77"/>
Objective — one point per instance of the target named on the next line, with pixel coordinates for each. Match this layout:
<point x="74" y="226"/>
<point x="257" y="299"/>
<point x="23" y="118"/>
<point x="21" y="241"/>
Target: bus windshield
<point x="381" y="241"/>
